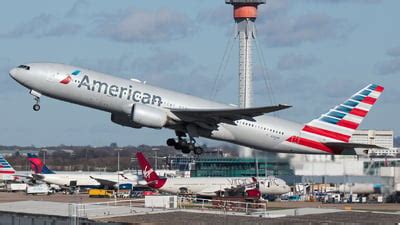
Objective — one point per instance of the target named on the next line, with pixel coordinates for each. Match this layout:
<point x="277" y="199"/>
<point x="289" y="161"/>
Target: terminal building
<point x="230" y="166"/>
<point x="383" y="138"/>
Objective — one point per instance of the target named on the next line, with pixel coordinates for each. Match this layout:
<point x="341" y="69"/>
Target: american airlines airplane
<point x="8" y="173"/>
<point x="210" y="186"/>
<point x="135" y="104"/>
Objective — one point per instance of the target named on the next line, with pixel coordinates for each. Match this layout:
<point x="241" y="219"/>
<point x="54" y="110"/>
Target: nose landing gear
<point x="184" y="145"/>
<point x="36" y="106"/>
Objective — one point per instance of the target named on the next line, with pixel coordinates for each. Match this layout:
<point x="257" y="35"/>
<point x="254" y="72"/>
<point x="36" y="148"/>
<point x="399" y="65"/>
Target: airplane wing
<point x="211" y="117"/>
<point x="104" y="182"/>
<point x="37" y="176"/>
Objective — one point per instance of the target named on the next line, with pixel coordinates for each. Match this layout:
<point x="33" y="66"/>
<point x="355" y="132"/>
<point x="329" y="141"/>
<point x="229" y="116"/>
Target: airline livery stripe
<point x="358" y="112"/>
<point x="364" y="106"/>
<point x="373" y="86"/>
<point x="379" y="89"/>
<point x="7" y="172"/>
<point x="312" y="144"/>
<point x="343" y="109"/>
<point x="330" y="120"/>
<point x="350" y="103"/>
<point x="348" y="124"/>
<point x="365" y="92"/>
<point x="353" y="118"/>
<point x="369" y="100"/>
<point x="327" y="133"/>
<point x="336" y="114"/>
<point x="331" y="127"/>
<point x="358" y="98"/>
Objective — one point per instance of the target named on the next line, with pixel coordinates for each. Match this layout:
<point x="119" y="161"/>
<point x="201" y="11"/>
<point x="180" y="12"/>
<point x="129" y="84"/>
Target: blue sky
<point x="317" y="53"/>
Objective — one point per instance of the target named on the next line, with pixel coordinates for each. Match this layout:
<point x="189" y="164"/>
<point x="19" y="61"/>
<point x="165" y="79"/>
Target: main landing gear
<point x="36" y="106"/>
<point x="186" y="146"/>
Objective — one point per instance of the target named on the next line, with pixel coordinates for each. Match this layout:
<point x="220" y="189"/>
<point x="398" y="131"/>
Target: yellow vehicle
<point x="100" y="193"/>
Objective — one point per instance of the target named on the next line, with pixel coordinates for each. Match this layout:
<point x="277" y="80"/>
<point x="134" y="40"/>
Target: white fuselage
<point x="118" y="96"/>
<point x="209" y="186"/>
<point x="85" y="180"/>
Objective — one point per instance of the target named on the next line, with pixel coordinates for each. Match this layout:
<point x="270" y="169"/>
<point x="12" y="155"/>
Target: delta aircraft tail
<point x="37" y="165"/>
<point x="5" y="167"/>
<point x="332" y="131"/>
<point x="151" y="177"/>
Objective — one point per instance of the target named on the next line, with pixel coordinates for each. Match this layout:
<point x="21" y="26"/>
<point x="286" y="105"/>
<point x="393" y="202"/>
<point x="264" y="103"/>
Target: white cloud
<point x="136" y="25"/>
<point x="296" y="61"/>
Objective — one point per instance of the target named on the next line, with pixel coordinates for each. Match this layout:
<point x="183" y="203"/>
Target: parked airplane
<point x="136" y="104"/>
<point x="76" y="179"/>
<point x="360" y="188"/>
<point x="8" y="173"/>
<point x="210" y="186"/>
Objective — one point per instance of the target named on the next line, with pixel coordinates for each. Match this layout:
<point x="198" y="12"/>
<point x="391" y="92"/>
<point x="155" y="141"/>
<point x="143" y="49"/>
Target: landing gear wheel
<point x="186" y="145"/>
<point x="185" y="150"/>
<point x="177" y="146"/>
<point x="171" y="142"/>
<point x="36" y="107"/>
<point x="183" y="144"/>
<point x="198" y="150"/>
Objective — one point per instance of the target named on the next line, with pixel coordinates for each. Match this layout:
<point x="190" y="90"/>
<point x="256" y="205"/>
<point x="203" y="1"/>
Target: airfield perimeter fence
<point x="223" y="206"/>
<point x="116" y="208"/>
<point x="105" y="209"/>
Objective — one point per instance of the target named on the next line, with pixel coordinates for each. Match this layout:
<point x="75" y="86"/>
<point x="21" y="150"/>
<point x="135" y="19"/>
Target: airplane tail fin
<point x="340" y="122"/>
<point x="148" y="173"/>
<point x="37" y="165"/>
<point x="151" y="177"/>
<point x="5" y="167"/>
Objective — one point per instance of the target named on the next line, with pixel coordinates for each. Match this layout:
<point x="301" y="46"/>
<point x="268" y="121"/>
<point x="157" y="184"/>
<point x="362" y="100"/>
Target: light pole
<point x="118" y="172"/>
<point x="156" y="161"/>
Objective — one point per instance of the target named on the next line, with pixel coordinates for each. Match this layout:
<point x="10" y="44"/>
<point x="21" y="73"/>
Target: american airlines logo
<point x="119" y="91"/>
<point x="69" y="78"/>
<point x="147" y="172"/>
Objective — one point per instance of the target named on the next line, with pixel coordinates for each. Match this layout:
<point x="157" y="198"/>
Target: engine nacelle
<point x="124" y="120"/>
<point x="148" y="116"/>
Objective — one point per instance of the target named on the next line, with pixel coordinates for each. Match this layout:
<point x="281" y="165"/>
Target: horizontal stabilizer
<point x="341" y="145"/>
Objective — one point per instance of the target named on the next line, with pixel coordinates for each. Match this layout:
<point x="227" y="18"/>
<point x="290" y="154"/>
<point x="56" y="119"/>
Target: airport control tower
<point x="245" y="14"/>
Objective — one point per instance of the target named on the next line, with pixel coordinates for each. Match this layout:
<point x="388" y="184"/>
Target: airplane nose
<point x="13" y="73"/>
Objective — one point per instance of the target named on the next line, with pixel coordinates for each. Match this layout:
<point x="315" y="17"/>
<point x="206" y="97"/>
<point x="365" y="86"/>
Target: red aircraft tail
<point x="151" y="177"/>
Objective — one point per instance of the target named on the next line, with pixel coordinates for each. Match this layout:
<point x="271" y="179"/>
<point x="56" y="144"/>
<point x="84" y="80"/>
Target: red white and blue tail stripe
<point x="339" y="124"/>
<point x="5" y="167"/>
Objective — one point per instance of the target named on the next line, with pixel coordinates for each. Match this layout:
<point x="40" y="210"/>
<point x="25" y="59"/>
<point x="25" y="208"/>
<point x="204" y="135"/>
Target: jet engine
<point x="142" y="116"/>
<point x="149" y="116"/>
<point x="124" y="120"/>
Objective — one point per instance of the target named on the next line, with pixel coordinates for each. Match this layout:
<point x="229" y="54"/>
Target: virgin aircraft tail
<point x="37" y="165"/>
<point x="151" y="177"/>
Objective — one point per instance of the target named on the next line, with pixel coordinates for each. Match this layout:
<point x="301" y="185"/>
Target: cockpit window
<point x="25" y="67"/>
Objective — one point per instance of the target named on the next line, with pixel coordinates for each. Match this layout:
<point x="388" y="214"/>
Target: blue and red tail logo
<point x="37" y="165"/>
<point x="69" y="77"/>
<point x="5" y="167"/>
